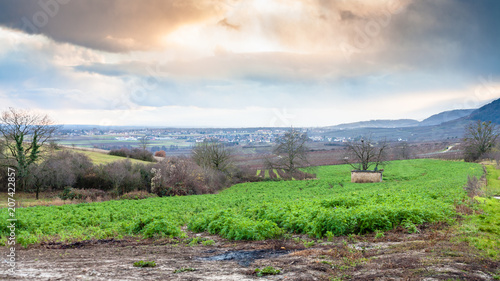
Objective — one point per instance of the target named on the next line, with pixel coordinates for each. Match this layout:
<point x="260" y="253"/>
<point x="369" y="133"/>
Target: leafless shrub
<point x="212" y="155"/>
<point x="243" y="174"/>
<point x="284" y="175"/>
<point x="290" y="152"/>
<point x="121" y="174"/>
<point x="479" y="139"/>
<point x="178" y="176"/>
<point x="134" y="153"/>
<point x="473" y="186"/>
<point x="404" y="151"/>
<point x="136" y="195"/>
<point x="365" y="154"/>
<point x="60" y="169"/>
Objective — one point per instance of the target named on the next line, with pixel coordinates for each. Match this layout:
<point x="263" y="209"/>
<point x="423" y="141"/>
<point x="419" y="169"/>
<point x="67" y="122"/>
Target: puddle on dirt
<point x="245" y="258"/>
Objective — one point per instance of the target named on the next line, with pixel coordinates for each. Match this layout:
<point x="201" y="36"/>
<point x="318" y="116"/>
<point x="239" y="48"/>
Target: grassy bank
<point x="482" y="229"/>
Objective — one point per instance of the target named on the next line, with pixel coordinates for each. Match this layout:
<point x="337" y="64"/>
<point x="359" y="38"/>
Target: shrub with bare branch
<point x="364" y="154"/>
<point x="479" y="139"/>
<point x="181" y="176"/>
<point x="212" y="155"/>
<point x="290" y="152"/>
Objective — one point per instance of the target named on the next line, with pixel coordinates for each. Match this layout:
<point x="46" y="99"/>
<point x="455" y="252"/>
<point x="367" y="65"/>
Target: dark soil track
<point x="428" y="255"/>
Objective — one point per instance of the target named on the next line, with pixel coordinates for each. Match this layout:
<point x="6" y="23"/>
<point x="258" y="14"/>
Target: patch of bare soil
<point x="428" y="255"/>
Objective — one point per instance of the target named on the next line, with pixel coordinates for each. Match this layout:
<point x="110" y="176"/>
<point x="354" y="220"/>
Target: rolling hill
<point x="489" y="112"/>
<point x="444" y="125"/>
<point x="446" y="116"/>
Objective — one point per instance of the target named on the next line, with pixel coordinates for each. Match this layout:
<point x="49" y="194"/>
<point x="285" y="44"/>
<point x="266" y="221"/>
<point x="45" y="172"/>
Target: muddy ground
<point x="429" y="255"/>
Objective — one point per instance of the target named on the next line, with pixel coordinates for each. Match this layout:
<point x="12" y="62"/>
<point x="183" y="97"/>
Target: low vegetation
<point x="74" y="176"/>
<point x="482" y="228"/>
<point x="134" y="153"/>
<point x="268" y="270"/>
<point x="184" y="269"/>
<point x="412" y="193"/>
<point x="145" y="264"/>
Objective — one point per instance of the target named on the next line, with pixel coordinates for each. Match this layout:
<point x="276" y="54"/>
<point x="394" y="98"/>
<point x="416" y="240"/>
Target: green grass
<point x="413" y="191"/>
<point x="483" y="230"/>
<point x="102" y="158"/>
<point x="493" y="182"/>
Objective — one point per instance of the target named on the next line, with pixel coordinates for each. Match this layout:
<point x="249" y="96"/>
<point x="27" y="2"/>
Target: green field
<point x="413" y="192"/>
<point x="102" y="158"/>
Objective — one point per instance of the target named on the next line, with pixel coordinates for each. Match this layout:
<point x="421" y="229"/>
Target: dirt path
<point x="396" y="256"/>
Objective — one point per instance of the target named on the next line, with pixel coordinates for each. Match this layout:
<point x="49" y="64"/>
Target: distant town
<point x="174" y="139"/>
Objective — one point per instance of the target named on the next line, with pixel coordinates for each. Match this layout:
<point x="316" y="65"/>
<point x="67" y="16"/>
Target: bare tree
<point x="479" y="139"/>
<point x="213" y="155"/>
<point x="24" y="134"/>
<point x="404" y="150"/>
<point x="290" y="152"/>
<point x="144" y="142"/>
<point x="365" y="153"/>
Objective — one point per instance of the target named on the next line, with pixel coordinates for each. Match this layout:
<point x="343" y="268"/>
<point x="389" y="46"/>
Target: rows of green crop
<point x="414" y="191"/>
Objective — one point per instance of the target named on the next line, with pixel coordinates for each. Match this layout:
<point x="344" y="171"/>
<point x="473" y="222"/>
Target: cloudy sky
<point x="239" y="63"/>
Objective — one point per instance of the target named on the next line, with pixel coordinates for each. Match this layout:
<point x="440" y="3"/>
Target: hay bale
<point x="366" y="176"/>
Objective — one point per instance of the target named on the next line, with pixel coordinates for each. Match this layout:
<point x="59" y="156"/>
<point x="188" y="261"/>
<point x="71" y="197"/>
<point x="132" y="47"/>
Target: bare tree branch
<point x="479" y="139"/>
<point x="24" y="133"/>
<point x="213" y="155"/>
<point x="144" y="142"/>
<point x="364" y="154"/>
<point x="290" y="152"/>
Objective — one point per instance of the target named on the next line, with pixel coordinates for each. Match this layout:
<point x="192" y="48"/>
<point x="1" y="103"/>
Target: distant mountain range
<point x="489" y="112"/>
<point x="446" y="116"/>
<point x="376" y="124"/>
<point x="436" y="119"/>
<point x="444" y="125"/>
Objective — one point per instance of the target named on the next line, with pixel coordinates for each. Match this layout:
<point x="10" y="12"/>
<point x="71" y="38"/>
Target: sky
<point x="247" y="63"/>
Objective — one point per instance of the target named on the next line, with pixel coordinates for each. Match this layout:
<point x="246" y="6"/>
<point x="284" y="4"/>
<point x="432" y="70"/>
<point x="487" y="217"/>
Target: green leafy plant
<point x="329" y="236"/>
<point x="145" y="264"/>
<point x="208" y="242"/>
<point x="162" y="228"/>
<point x="268" y="270"/>
<point x="309" y="244"/>
<point x="410" y="226"/>
<point x="379" y="234"/>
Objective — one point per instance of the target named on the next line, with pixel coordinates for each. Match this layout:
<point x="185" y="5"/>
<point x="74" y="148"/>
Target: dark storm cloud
<point x="456" y="36"/>
<point x="110" y="25"/>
